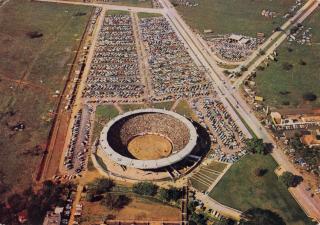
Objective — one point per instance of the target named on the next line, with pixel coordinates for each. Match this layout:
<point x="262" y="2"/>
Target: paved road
<point x="222" y="209"/>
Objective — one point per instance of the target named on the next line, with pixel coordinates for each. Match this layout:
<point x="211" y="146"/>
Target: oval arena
<point x="148" y="139"/>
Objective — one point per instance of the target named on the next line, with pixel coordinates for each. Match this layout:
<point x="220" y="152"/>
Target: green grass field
<point x="241" y="189"/>
<point x="130" y="107"/>
<point x="103" y="114"/>
<point x="42" y="63"/>
<point x="148" y="15"/>
<point x="234" y="16"/>
<point x="300" y="79"/>
<point x="184" y="109"/>
<point x="163" y="105"/>
<point x="136" y="3"/>
<point x="117" y="12"/>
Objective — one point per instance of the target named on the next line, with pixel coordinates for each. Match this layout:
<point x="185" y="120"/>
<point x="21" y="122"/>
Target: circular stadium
<point x="148" y="139"/>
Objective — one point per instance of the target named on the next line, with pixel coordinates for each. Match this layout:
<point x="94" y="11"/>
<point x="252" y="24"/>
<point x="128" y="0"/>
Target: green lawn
<point x="235" y="16"/>
<point x="163" y="105"/>
<point x="117" y="12"/>
<point x="184" y="109"/>
<point x="43" y="62"/>
<point x="300" y="79"/>
<point x="130" y="107"/>
<point x="136" y="3"/>
<point x="241" y="189"/>
<point x="103" y="114"/>
<point x="148" y="15"/>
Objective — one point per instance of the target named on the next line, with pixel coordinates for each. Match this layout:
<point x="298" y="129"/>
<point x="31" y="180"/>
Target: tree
<point x="90" y="197"/>
<point x="171" y="194"/>
<point x="302" y="62"/>
<point x="225" y="221"/>
<point x="309" y="96"/>
<point x="290" y="180"/>
<point x="260" y="172"/>
<point x="255" y="146"/>
<point x="198" y="218"/>
<point x="257" y="216"/>
<point x="100" y="186"/>
<point x="145" y="188"/>
<point x="115" y="201"/>
<point x="287" y="66"/>
<point x="16" y="202"/>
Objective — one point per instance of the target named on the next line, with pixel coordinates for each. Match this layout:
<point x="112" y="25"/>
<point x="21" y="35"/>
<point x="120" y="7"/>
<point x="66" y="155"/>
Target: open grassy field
<point x="240" y="188"/>
<point x="234" y="16"/>
<point x="300" y="79"/>
<point x="117" y="12"/>
<point x="163" y="105"/>
<point x="103" y="114"/>
<point x="184" y="109"/>
<point x="136" y="3"/>
<point x="31" y="71"/>
<point x="202" y="179"/>
<point x="130" y="107"/>
<point x="148" y="15"/>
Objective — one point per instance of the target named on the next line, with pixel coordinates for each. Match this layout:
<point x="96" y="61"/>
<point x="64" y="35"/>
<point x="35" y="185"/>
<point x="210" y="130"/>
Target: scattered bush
<point x="115" y="201"/>
<point x="100" y="186"/>
<point x="34" y="34"/>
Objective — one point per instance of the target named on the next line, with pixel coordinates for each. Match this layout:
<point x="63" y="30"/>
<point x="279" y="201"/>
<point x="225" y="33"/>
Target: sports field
<point x="241" y="189"/>
<point x="282" y="88"/>
<point x="202" y="179"/>
<point x="234" y="16"/>
<point x="37" y="41"/>
<point x="150" y="147"/>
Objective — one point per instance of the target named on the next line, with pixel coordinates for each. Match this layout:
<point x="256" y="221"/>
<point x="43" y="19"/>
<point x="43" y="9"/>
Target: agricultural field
<point x="202" y="179"/>
<point x="37" y="42"/>
<point x="241" y="189"/>
<point x="221" y="17"/>
<point x="282" y="88"/>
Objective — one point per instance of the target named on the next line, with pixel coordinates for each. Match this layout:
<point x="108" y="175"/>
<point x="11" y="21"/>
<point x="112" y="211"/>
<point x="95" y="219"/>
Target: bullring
<point x="174" y="132"/>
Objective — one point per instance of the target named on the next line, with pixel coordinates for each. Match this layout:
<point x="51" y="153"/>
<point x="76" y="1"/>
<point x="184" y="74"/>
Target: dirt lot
<point x="150" y="146"/>
<point x="138" y="209"/>
<point x="37" y="41"/>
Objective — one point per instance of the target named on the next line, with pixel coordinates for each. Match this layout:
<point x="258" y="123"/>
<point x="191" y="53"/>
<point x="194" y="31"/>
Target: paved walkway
<point x="222" y="209"/>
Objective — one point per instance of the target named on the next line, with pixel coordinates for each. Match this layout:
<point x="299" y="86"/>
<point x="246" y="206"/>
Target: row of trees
<point x="150" y="189"/>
